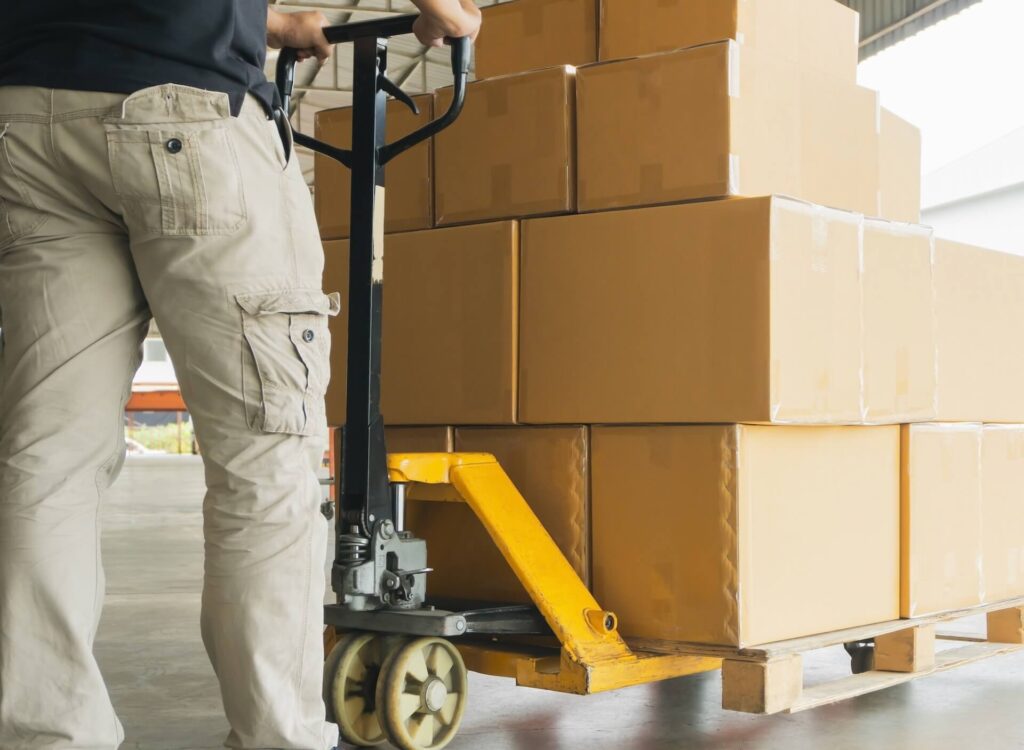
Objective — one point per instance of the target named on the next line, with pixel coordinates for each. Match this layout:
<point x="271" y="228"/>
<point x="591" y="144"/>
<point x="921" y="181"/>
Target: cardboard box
<point x="550" y="467"/>
<point x="979" y="306"/>
<point x="727" y="311"/>
<point x="818" y="34"/>
<point x="512" y="151"/>
<point x="410" y="195"/>
<point x="941" y="518"/>
<point x="740" y="535"/>
<point x="533" y="34"/>
<point x="419" y="439"/>
<point x="723" y="120"/>
<point x="899" y="323"/>
<point x="1002" y="512"/>
<point x="900" y="169"/>
<point x="451" y="314"/>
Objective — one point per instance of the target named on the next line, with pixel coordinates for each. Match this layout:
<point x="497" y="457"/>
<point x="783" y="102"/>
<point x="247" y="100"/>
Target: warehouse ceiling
<point x="883" y="23"/>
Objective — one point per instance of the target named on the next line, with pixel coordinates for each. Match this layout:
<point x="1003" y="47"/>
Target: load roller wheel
<point x="421" y="695"/>
<point x="351" y="674"/>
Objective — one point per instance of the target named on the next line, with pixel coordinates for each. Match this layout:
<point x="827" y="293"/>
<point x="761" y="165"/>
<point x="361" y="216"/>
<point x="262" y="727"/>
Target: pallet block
<point x="1006" y="626"/>
<point x="911" y="650"/>
<point x="762" y="687"/>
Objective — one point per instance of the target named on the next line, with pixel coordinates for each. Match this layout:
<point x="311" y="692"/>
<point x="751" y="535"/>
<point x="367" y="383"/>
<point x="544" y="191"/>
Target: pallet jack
<point x="399" y="671"/>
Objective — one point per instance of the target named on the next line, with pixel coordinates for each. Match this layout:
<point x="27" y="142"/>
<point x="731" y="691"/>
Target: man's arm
<point x="302" y="30"/>
<point x="438" y="19"/>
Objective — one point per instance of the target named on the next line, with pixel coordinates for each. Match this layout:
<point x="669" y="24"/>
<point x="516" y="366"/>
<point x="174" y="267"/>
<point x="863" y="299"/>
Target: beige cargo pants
<point x="113" y="210"/>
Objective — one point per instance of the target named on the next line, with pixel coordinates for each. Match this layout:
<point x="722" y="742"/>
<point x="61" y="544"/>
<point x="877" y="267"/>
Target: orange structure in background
<point x="157" y="399"/>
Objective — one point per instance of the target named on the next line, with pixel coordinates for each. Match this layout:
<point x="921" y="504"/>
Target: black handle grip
<point x="462" y="56"/>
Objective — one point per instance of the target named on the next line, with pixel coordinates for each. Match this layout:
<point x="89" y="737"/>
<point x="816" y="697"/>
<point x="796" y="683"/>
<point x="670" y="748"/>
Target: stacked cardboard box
<point x="676" y="286"/>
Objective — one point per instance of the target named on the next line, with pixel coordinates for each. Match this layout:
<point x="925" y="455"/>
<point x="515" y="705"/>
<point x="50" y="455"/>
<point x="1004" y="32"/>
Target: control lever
<point x="393" y="90"/>
<point x="462" y="56"/>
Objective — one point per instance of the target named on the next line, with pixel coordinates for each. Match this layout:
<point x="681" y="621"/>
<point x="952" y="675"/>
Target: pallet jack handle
<point x="462" y="54"/>
<point x="366" y="497"/>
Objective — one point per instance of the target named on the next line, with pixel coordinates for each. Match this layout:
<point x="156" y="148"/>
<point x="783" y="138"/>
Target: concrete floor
<point x="168" y="699"/>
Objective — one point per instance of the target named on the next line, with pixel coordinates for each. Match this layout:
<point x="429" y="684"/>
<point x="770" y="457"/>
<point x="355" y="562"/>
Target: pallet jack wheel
<point x="351" y="673"/>
<point x="862" y="656"/>
<point x="422" y="694"/>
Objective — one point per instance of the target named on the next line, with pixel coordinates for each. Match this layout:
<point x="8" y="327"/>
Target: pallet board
<point x="870" y="682"/>
<point x="768" y="679"/>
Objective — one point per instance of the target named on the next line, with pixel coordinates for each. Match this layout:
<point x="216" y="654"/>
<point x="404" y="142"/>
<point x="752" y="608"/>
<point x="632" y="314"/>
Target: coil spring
<point x="353" y="549"/>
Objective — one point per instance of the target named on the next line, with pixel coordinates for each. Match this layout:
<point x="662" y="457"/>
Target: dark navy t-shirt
<point x="122" y="46"/>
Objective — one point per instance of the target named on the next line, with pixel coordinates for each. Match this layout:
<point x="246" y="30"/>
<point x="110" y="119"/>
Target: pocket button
<point x="308" y="336"/>
<point x="174" y="145"/>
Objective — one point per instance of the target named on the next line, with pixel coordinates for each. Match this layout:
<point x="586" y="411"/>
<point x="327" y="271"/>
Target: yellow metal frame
<point x="594" y="657"/>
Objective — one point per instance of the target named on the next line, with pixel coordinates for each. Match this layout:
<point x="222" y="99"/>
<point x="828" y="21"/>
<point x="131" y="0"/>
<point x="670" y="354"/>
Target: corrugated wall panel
<point x="885" y="22"/>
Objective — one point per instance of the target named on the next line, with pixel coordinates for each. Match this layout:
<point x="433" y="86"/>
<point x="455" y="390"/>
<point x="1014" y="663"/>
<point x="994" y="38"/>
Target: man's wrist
<point x="275" y="28"/>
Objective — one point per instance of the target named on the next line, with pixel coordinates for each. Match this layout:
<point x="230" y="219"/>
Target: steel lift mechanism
<point x="398" y="672"/>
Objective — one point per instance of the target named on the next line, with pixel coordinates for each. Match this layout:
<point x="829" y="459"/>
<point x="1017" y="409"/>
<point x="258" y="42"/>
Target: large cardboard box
<point x="900" y="169"/>
<point x="419" y="439"/>
<point x="1002" y="512"/>
<point x="410" y="194"/>
<point x="451" y="312"/>
<point x="819" y="34"/>
<point x="899" y="323"/>
<point x="727" y="311"/>
<point x="551" y="468"/>
<point x="512" y="152"/>
<point x="723" y="120"/>
<point x="941" y="555"/>
<point x="979" y="306"/>
<point x="740" y="535"/>
<point x="532" y="34"/>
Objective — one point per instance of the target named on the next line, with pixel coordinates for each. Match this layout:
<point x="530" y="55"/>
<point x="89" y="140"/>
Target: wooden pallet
<point x="769" y="679"/>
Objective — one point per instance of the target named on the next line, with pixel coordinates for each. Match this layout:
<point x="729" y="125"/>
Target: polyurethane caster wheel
<point x="862" y="656"/>
<point x="421" y="695"/>
<point x="350" y="688"/>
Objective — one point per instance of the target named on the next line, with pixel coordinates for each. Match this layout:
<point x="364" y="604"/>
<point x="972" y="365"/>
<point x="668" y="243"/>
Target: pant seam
<point x="37" y="119"/>
<point x="81" y="114"/>
<point x="305" y="617"/>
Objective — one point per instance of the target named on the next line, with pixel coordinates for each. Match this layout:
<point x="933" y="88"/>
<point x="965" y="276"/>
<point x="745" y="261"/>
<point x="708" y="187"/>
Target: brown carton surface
<point x="450" y="326"/>
<point x="729" y="311"/>
<point x="979" y="306"/>
<point x="900" y="169"/>
<point x="410" y="195"/>
<point x="1002" y="512"/>
<point x="739" y="535"/>
<point x="723" y="120"/>
<point x="819" y="34"/>
<point x="941" y="518"/>
<point x="532" y="34"/>
<point x="899" y="323"/>
<point x="419" y="439"/>
<point x="550" y="467"/>
<point x="512" y="151"/>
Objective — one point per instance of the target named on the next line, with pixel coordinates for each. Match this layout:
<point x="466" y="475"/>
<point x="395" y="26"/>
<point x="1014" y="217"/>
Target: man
<point x="141" y="176"/>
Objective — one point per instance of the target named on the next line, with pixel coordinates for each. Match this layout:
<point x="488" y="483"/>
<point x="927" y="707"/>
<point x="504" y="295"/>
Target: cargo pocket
<point x="19" y="216"/>
<point x="178" y="181"/>
<point x="290" y="344"/>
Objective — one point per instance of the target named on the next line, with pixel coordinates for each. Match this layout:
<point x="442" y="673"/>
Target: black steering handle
<point x="461" y="54"/>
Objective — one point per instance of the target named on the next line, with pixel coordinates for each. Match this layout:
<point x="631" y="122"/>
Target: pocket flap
<point x="293" y="302"/>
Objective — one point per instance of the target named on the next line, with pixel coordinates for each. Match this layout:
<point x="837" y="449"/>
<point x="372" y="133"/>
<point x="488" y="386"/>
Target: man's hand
<point x="303" y="31"/>
<point x="446" y="18"/>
